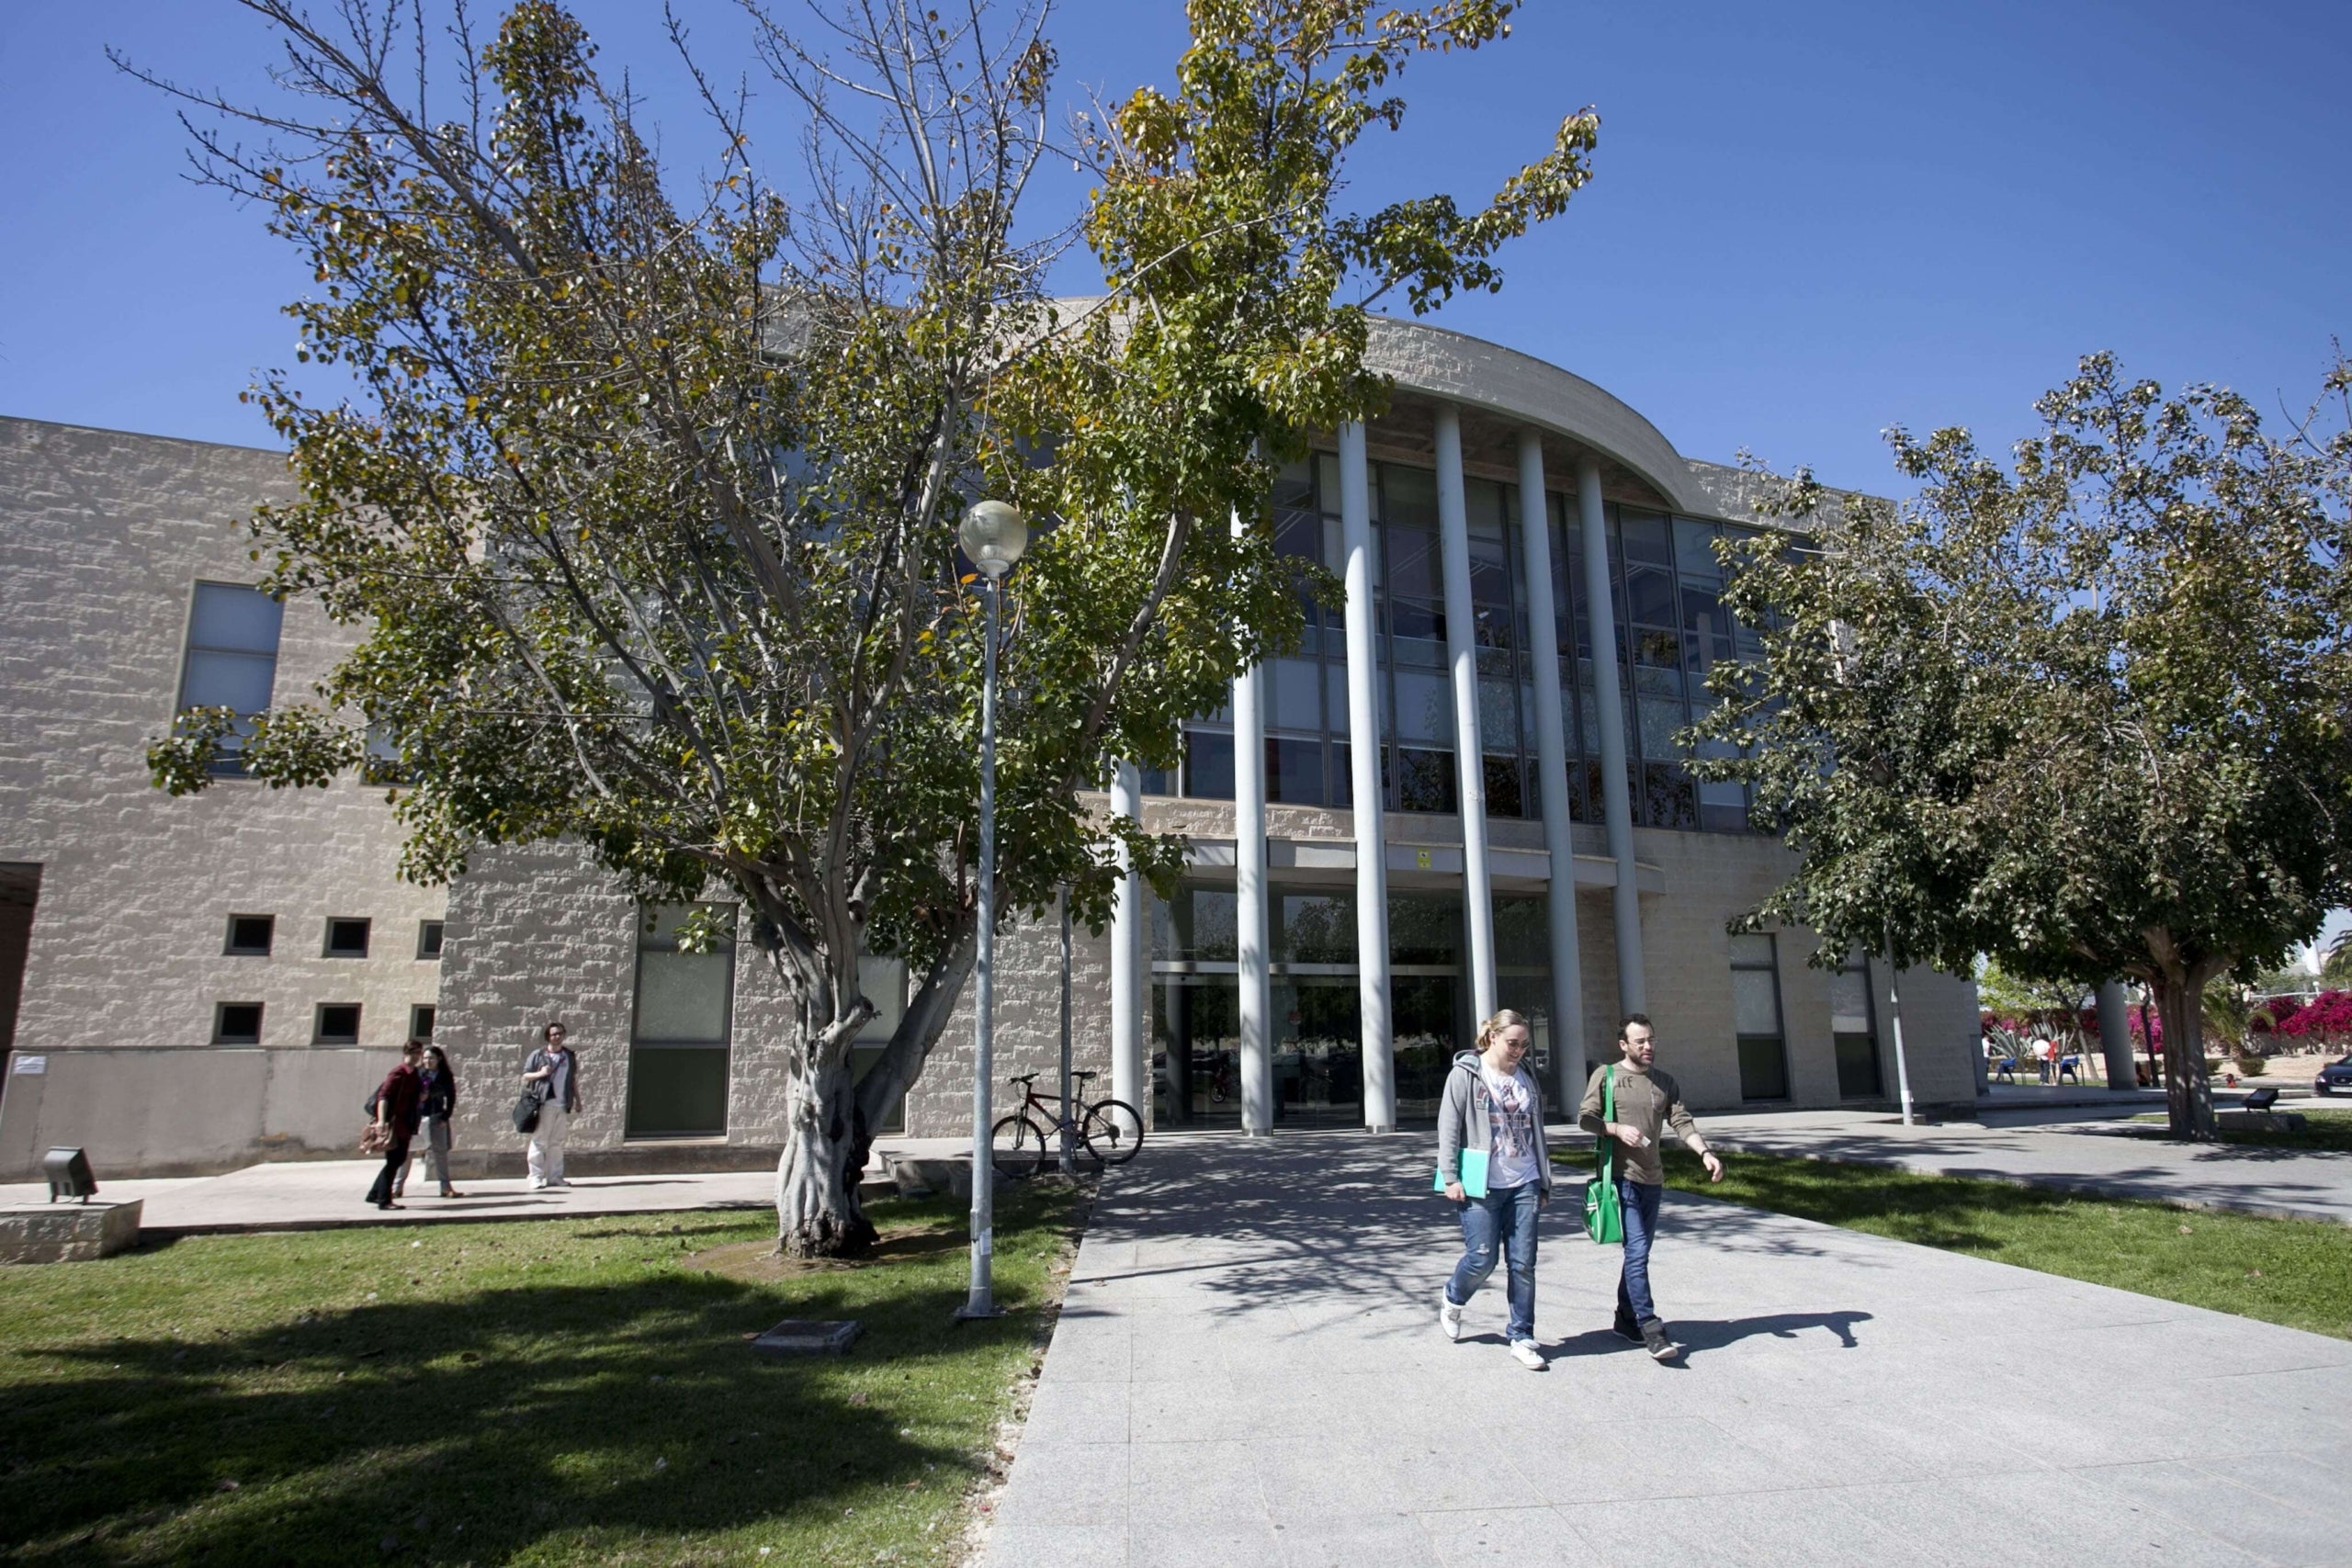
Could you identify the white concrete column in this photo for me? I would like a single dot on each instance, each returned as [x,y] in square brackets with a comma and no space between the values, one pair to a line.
[2114,1037]
[1607,696]
[1364,771]
[1130,935]
[1469,753]
[1551,773]
[1251,928]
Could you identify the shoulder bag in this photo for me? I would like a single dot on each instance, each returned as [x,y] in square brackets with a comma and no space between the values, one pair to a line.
[1604,1213]
[527,1109]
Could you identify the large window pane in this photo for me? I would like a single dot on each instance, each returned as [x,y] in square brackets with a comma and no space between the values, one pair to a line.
[1755,1014]
[1295,771]
[677,1091]
[1755,1002]
[1196,926]
[1763,1069]
[1208,765]
[1296,686]
[681,996]
[232,660]
[1314,926]
[234,617]
[237,681]
[1424,706]
[678,1052]
[1426,780]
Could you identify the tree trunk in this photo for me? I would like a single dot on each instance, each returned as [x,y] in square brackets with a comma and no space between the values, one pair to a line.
[2188,1093]
[817,1210]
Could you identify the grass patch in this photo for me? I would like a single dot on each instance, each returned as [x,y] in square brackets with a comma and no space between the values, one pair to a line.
[2296,1272]
[546,1392]
[2321,1130]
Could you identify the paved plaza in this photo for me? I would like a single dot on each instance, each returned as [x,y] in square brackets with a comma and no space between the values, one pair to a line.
[317,1194]
[1247,1371]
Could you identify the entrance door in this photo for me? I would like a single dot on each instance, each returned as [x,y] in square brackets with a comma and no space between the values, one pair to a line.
[1196,1050]
[1319,1050]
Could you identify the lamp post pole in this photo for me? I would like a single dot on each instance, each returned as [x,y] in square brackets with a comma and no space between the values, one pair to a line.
[1895,997]
[1070,1111]
[993,535]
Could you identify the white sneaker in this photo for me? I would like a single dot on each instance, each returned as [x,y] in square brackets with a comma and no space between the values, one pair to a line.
[1525,1352]
[1449,1316]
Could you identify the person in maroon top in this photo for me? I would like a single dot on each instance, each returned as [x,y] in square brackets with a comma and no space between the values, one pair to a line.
[398,1105]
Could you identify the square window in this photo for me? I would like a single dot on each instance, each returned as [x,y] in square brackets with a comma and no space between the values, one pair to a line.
[250,935]
[346,939]
[420,1021]
[338,1024]
[428,939]
[236,1023]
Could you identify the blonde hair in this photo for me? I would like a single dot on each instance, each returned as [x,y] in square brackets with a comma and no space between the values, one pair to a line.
[1493,1027]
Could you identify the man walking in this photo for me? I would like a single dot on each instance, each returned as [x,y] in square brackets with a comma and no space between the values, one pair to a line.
[1647,1102]
[556,1069]
[397,1108]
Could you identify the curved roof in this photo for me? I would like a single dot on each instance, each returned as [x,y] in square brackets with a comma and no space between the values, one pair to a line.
[1524,389]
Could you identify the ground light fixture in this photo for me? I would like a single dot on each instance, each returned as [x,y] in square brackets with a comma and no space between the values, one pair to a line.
[993,535]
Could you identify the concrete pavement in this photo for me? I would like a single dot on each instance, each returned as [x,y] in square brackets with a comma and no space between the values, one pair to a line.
[2113,1159]
[1247,1371]
[315,1194]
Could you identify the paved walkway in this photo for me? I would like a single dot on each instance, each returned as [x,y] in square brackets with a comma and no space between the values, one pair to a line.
[2075,1157]
[317,1194]
[1248,1372]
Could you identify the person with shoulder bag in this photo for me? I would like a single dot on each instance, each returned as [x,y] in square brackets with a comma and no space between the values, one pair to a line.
[1492,1165]
[1628,1104]
[397,1101]
[553,1073]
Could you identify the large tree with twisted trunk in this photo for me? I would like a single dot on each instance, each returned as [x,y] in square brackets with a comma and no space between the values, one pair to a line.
[646,499]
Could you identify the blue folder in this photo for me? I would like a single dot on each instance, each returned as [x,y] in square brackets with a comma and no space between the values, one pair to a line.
[1474,1174]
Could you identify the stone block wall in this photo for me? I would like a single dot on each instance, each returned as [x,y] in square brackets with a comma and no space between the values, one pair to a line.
[1027,1035]
[103,537]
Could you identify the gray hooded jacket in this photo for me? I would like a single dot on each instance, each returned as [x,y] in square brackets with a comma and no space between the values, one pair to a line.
[1462,1119]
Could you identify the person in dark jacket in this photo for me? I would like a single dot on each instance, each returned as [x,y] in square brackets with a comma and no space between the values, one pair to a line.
[437,1101]
[397,1103]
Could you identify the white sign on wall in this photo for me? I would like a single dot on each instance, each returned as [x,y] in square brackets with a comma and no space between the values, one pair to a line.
[31,1066]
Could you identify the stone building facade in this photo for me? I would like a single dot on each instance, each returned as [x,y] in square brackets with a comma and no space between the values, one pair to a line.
[1342,922]
[126,900]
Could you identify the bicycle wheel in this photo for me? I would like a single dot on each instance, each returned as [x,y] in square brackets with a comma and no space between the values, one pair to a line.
[1112,1130]
[1017,1147]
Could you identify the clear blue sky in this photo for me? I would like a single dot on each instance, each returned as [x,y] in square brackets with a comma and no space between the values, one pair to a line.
[1808,222]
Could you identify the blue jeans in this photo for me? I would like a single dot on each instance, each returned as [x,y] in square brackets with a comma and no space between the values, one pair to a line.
[1639,1201]
[1503,1220]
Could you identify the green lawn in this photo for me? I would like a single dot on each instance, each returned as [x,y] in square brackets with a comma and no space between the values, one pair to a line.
[2322,1129]
[565,1391]
[2298,1272]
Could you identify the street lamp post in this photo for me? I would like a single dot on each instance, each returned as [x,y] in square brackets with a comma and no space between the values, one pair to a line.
[993,535]
[1070,1108]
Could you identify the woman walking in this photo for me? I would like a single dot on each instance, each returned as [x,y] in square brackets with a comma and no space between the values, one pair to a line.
[437,1102]
[1491,1157]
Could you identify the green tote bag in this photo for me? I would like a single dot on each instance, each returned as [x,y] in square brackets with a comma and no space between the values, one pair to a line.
[1604,1215]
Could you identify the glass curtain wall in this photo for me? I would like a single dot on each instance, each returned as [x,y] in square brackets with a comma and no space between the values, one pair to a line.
[1316,1026]
[1674,629]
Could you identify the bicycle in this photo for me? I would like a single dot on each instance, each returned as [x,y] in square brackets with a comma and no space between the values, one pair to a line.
[1110,1132]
